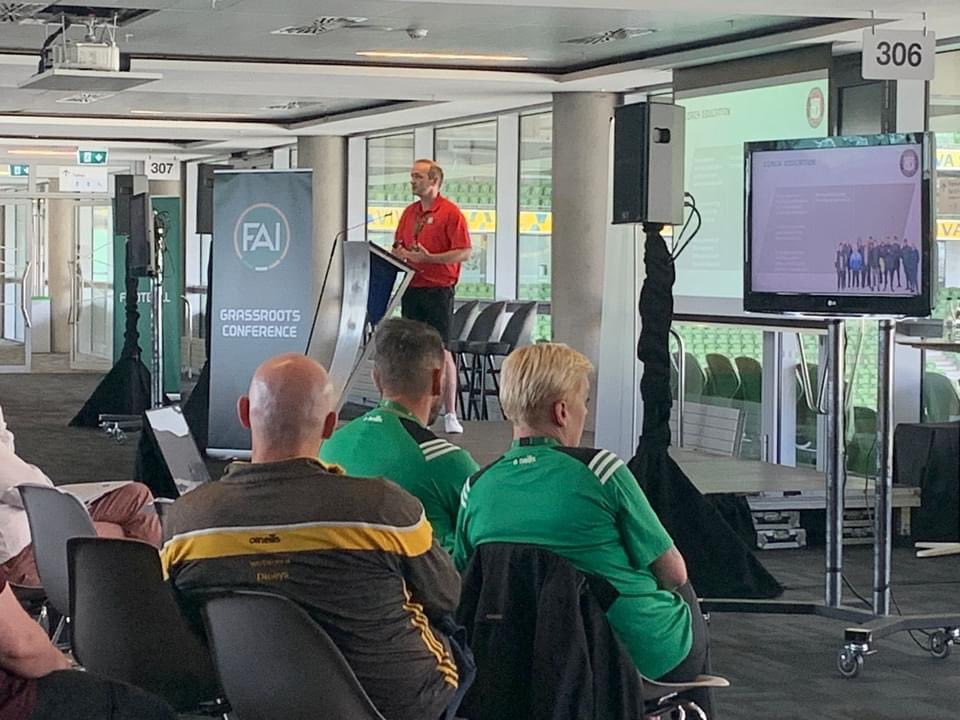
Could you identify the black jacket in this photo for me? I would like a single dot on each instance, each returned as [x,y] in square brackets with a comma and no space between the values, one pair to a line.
[543,646]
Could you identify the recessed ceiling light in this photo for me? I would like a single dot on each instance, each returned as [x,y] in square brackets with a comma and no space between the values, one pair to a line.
[43,152]
[174,114]
[439,56]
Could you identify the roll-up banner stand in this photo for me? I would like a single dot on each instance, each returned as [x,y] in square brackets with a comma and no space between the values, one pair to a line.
[262,286]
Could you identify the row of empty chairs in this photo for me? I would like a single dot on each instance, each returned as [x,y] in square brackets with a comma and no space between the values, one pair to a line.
[738,383]
[482,338]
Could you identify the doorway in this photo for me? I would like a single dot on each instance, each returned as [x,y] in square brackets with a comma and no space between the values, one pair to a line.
[16,266]
[92,306]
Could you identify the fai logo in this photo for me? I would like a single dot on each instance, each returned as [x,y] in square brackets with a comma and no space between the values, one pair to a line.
[261,237]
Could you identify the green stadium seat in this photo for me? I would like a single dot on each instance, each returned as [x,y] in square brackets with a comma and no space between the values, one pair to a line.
[941,400]
[723,381]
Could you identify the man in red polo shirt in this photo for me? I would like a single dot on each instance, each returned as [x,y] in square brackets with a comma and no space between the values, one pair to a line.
[433,237]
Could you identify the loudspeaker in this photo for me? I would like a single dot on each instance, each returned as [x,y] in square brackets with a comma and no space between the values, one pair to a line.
[205,197]
[648,163]
[125,187]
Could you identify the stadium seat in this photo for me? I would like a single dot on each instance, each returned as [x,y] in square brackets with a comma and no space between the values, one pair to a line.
[941,401]
[723,380]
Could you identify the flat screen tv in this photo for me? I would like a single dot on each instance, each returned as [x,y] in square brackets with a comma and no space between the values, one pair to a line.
[839,225]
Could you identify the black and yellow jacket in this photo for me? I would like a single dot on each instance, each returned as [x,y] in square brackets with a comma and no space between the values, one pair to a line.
[357,553]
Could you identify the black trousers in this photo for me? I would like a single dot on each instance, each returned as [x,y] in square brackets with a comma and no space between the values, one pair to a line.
[80,695]
[697,661]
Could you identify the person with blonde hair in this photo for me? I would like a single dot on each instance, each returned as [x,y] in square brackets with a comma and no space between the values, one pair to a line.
[585,505]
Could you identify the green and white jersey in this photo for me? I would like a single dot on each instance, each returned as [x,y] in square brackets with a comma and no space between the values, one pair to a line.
[389,441]
[586,506]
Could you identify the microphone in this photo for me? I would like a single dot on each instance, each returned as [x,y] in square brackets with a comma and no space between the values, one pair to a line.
[326,273]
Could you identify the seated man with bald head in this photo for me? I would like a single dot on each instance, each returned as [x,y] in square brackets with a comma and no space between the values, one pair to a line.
[356,553]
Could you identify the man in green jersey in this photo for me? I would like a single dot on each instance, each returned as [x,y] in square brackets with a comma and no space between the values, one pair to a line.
[586,506]
[393,441]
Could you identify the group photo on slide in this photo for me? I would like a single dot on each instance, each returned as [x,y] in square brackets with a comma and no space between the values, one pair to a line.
[888,266]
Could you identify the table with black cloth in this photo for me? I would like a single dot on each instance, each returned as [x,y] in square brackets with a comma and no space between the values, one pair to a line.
[928,456]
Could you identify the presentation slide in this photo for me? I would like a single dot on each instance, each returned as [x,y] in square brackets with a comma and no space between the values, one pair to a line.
[837,221]
[710,271]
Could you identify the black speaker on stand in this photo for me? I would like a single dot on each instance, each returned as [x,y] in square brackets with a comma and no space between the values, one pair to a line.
[648,163]
[125,391]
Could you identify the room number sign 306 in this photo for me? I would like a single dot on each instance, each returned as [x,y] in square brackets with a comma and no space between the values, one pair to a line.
[898,55]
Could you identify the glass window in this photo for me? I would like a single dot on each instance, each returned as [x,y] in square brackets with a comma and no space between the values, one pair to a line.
[389,160]
[723,367]
[536,219]
[941,377]
[468,156]
[861,362]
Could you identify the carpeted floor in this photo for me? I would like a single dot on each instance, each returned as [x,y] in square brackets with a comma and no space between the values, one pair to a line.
[780,666]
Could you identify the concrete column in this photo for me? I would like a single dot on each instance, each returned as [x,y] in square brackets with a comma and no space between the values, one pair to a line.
[581,215]
[327,157]
[61,239]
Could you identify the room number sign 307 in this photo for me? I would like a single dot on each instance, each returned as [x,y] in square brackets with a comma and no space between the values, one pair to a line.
[162,168]
[898,55]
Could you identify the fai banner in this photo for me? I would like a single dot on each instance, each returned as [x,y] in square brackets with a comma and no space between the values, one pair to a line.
[262,286]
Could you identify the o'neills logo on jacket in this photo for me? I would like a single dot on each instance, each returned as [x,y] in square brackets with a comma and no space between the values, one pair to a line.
[265,539]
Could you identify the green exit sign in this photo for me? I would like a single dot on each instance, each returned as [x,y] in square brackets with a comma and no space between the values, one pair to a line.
[19,170]
[91,157]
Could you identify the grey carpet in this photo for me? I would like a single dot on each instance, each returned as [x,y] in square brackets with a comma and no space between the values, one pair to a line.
[780,666]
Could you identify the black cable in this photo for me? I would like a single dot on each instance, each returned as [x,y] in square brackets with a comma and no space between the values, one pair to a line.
[852,589]
[674,239]
[925,648]
[693,234]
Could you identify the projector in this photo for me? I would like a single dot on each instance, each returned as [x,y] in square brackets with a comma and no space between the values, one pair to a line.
[87,66]
[83,56]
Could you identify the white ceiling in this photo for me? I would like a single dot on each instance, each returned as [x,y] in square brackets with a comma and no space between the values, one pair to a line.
[214,102]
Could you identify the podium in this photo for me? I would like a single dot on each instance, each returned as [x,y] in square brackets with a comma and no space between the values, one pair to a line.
[373,283]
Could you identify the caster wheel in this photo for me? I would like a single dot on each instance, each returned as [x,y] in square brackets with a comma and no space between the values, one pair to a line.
[939,645]
[849,663]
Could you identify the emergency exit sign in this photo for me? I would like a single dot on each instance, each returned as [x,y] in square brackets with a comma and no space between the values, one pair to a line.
[19,170]
[91,157]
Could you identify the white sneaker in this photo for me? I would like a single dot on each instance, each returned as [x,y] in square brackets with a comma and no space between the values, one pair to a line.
[451,425]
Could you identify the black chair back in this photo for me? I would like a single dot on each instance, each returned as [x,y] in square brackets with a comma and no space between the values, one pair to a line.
[54,518]
[463,319]
[519,327]
[487,324]
[276,662]
[127,625]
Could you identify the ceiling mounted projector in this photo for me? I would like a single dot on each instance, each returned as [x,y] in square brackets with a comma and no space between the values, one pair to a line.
[93,64]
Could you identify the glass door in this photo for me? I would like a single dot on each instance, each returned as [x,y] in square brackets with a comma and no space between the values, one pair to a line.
[16,226]
[91,316]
